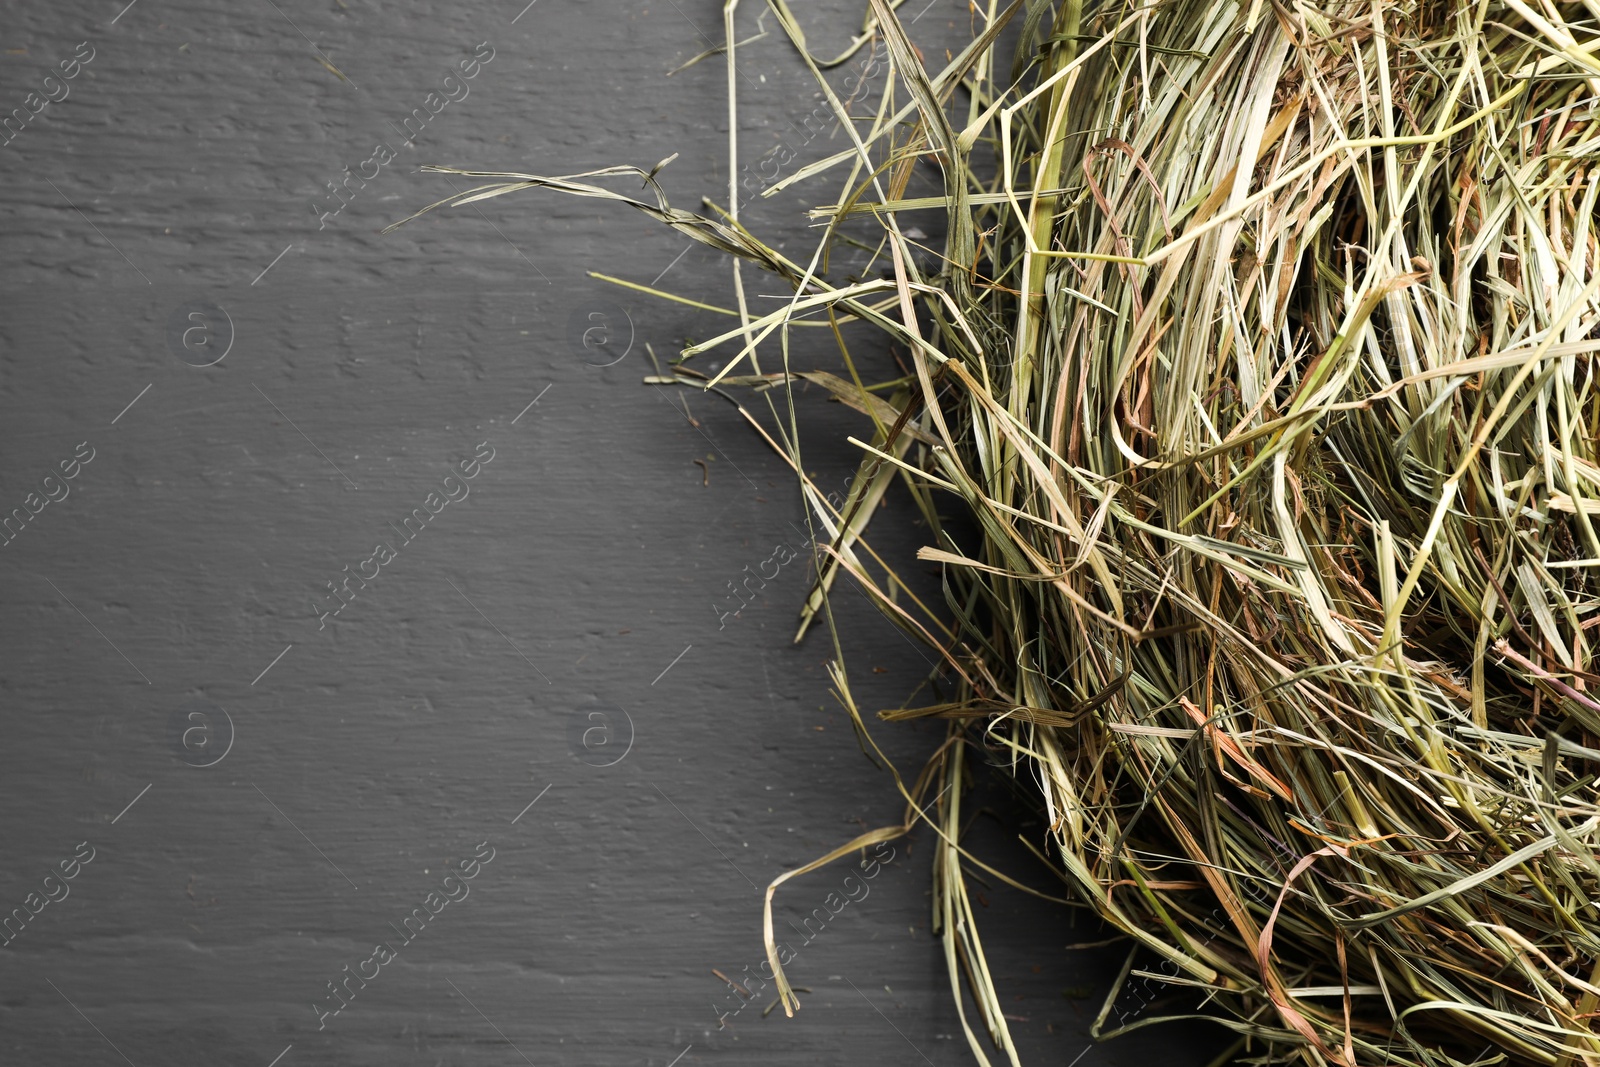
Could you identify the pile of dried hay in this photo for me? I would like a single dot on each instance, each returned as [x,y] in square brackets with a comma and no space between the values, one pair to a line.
[1261,348]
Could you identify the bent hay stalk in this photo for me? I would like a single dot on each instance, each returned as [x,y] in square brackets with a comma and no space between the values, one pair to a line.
[1260,353]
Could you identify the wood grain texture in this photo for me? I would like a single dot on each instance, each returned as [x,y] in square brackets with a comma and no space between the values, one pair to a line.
[186,572]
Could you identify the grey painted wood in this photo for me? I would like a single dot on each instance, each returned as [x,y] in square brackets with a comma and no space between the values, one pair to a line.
[268,792]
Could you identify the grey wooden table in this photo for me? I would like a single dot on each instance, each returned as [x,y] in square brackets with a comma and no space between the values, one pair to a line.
[369,686]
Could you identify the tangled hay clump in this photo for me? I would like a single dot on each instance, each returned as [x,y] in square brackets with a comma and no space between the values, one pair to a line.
[1261,351]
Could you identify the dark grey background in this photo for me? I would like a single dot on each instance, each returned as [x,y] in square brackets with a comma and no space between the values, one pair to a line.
[182,570]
